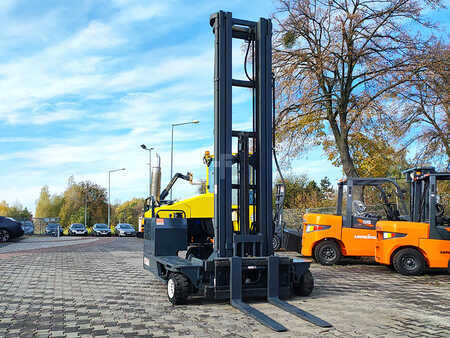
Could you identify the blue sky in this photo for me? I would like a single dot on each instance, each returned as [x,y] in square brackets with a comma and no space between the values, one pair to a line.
[84,83]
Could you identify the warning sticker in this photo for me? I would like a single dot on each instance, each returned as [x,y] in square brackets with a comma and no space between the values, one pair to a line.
[160,221]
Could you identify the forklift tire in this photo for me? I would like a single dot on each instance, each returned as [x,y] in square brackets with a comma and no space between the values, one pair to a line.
[306,285]
[276,242]
[327,253]
[178,288]
[409,262]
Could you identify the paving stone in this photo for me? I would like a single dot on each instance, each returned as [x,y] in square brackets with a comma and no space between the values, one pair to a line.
[99,288]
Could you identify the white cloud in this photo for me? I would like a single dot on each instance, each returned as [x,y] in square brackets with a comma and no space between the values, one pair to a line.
[141,11]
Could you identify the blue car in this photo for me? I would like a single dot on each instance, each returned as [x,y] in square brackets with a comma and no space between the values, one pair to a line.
[28,227]
[9,228]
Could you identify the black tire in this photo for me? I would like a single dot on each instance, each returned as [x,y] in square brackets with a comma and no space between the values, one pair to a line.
[327,253]
[178,288]
[409,262]
[276,242]
[306,284]
[5,236]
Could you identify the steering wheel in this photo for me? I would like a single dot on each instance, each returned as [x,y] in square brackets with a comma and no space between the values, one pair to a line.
[358,208]
[439,210]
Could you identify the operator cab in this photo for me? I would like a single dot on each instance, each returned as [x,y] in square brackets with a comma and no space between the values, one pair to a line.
[368,211]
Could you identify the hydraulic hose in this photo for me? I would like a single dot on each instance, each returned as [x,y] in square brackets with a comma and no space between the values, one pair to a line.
[273,132]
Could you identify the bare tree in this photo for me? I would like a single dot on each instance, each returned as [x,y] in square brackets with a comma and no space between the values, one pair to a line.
[426,116]
[337,63]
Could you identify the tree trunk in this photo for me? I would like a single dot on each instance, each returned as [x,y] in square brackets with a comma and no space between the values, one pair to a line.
[347,161]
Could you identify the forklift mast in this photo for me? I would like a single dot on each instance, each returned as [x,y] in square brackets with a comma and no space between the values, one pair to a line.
[418,190]
[423,198]
[256,239]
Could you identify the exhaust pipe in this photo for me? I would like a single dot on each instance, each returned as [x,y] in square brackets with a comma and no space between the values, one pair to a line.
[156,179]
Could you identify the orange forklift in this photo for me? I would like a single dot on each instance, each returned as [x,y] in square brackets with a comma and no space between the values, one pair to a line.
[351,231]
[422,241]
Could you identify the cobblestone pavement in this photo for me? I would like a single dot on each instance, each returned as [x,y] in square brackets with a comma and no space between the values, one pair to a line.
[41,242]
[100,289]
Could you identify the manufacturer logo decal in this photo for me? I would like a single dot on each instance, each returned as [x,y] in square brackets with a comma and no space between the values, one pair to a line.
[365,237]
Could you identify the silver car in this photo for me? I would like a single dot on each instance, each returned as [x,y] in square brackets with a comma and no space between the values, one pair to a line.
[77,229]
[125,229]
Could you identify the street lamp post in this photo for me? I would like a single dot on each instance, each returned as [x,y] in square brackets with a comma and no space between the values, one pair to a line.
[143,146]
[171,148]
[109,193]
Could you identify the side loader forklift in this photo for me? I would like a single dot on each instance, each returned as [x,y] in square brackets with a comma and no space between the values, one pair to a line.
[351,231]
[423,240]
[229,263]
[200,208]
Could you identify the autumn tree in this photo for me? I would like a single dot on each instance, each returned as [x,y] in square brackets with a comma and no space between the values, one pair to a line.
[129,212]
[302,192]
[4,208]
[16,211]
[336,63]
[425,117]
[43,204]
[82,196]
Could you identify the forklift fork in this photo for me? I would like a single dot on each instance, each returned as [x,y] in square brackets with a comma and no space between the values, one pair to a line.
[272,297]
[236,297]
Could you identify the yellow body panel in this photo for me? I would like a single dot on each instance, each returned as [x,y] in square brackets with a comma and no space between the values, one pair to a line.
[200,206]
[435,251]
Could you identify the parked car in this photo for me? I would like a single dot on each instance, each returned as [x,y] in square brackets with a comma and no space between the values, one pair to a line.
[101,229]
[28,227]
[125,229]
[77,229]
[9,228]
[52,229]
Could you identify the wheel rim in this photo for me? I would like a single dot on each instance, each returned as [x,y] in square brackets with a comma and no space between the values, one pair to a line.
[171,288]
[4,236]
[409,263]
[275,242]
[328,253]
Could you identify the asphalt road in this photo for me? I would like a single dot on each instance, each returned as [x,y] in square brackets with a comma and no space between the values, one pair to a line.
[99,288]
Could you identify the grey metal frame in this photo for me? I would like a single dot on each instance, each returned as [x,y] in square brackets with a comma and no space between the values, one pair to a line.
[423,190]
[354,181]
